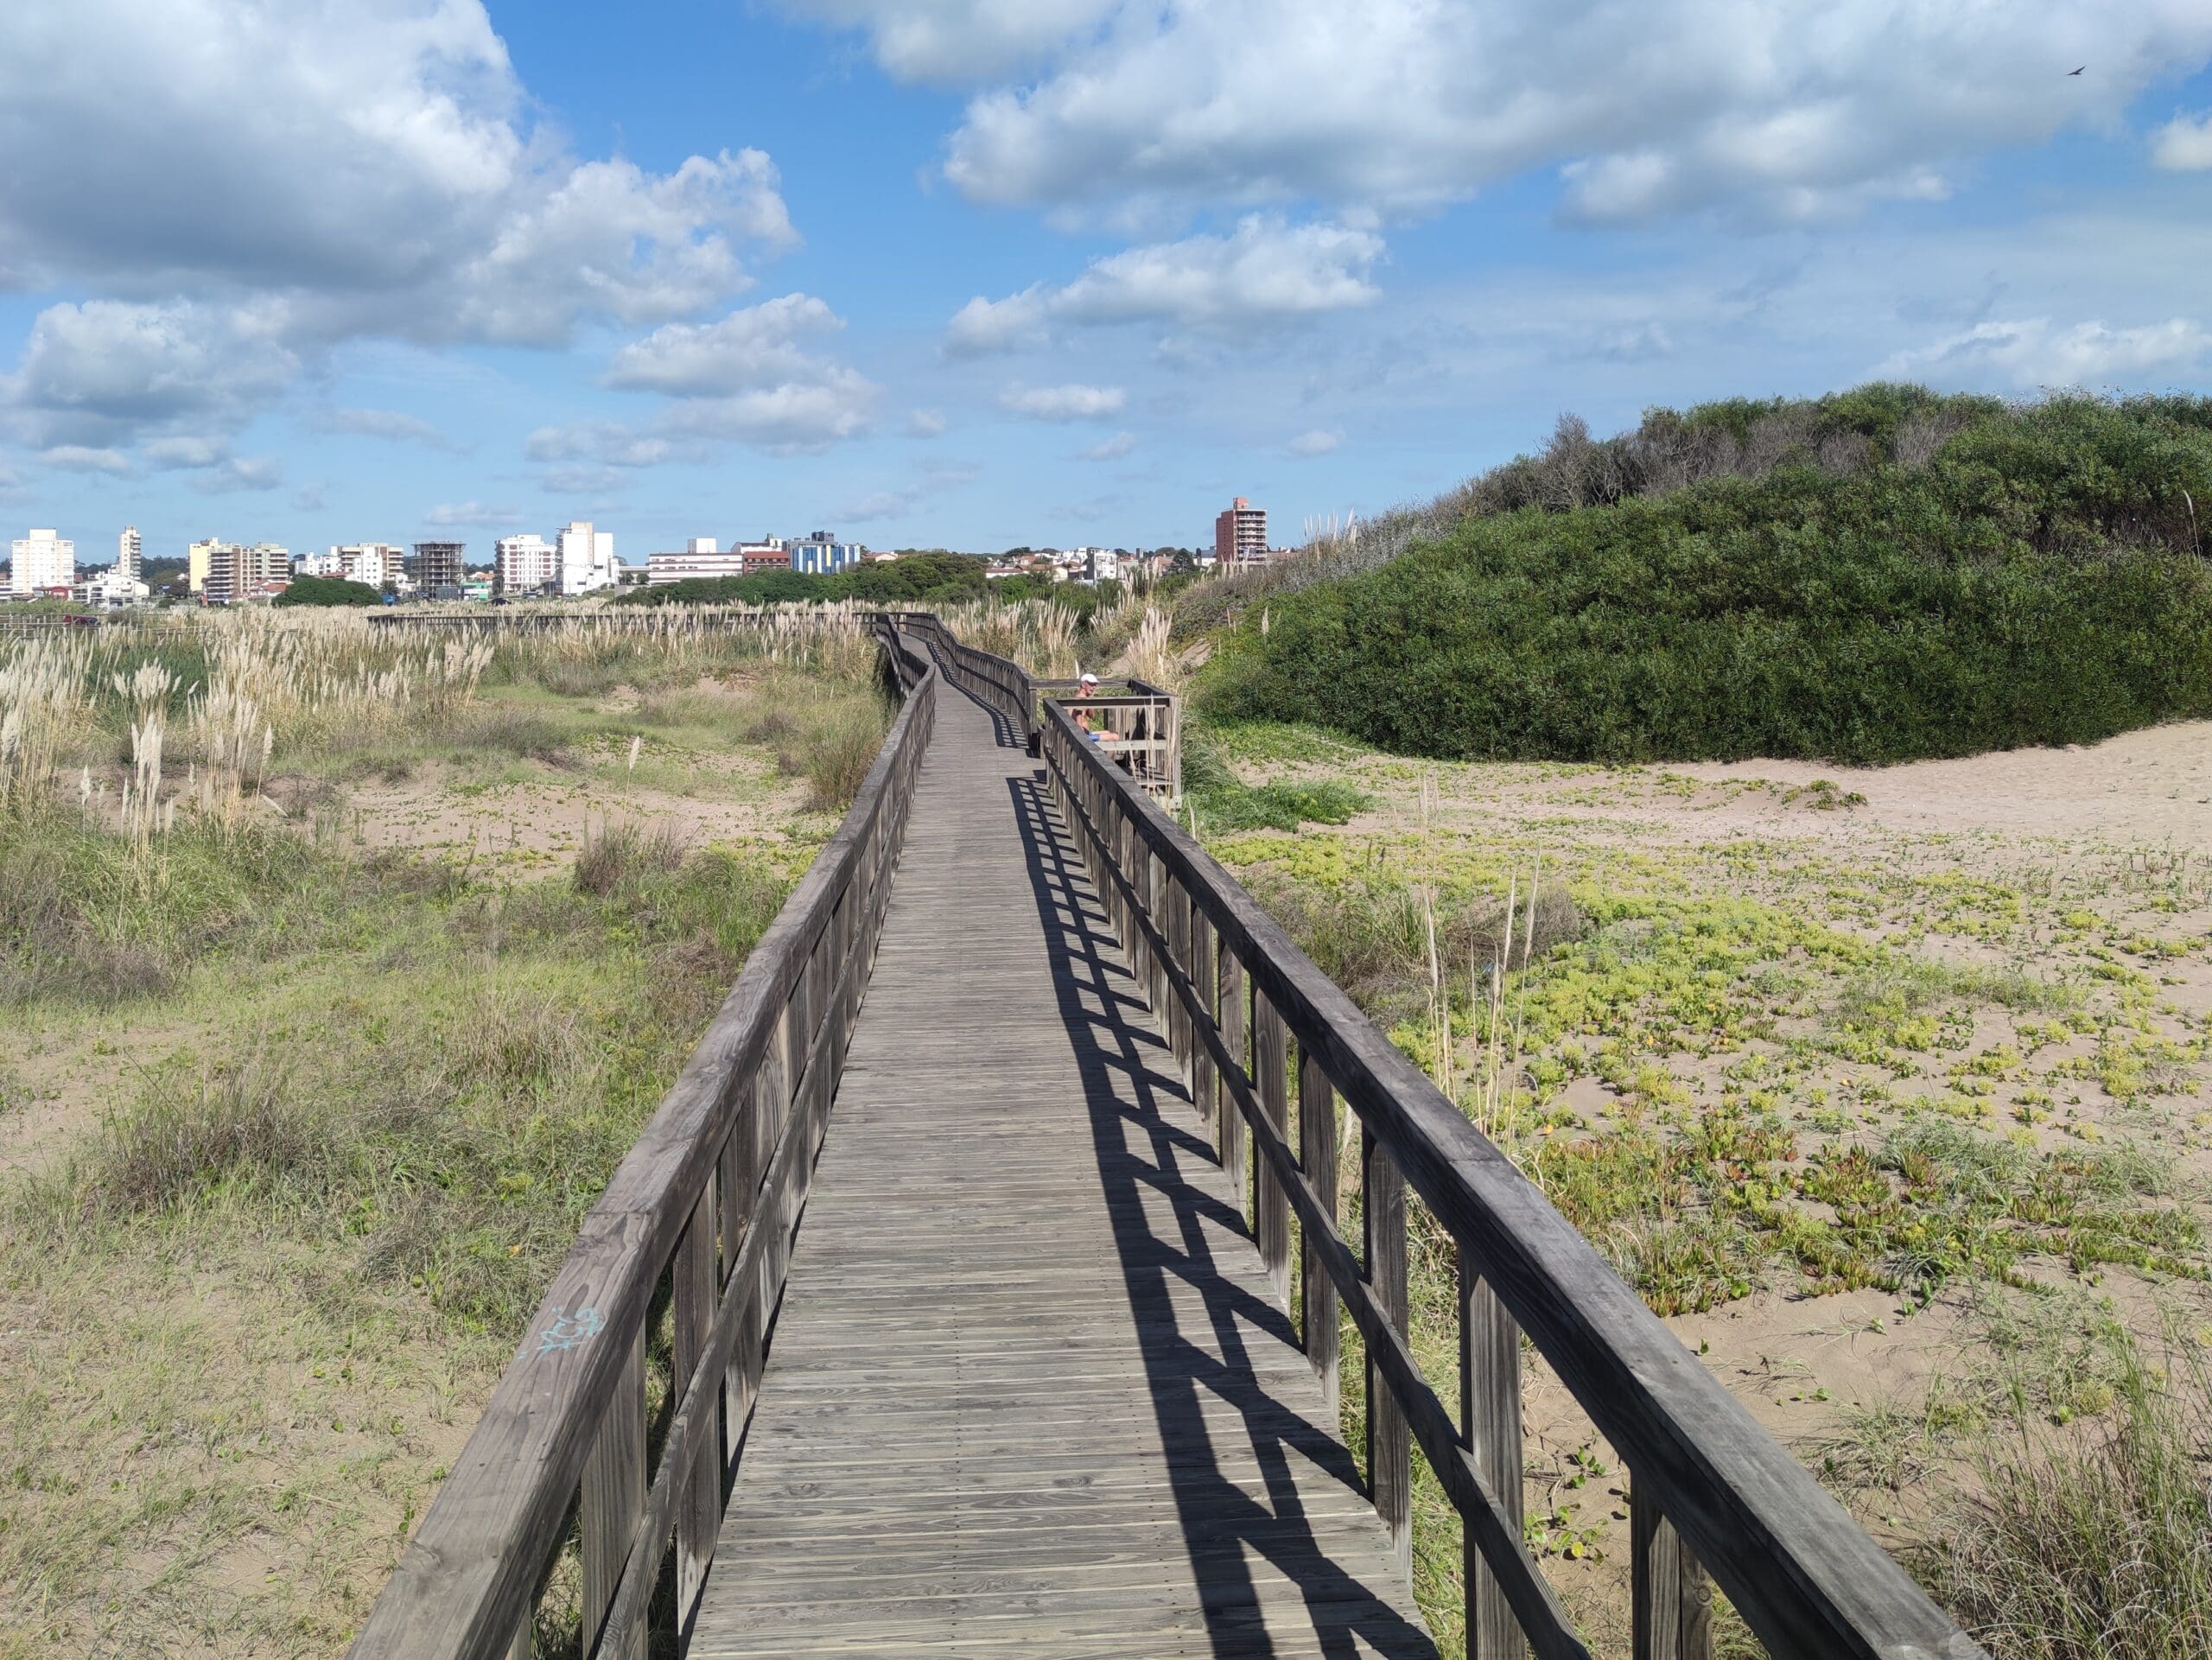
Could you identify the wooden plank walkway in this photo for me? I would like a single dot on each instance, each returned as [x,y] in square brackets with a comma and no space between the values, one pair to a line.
[1030,1392]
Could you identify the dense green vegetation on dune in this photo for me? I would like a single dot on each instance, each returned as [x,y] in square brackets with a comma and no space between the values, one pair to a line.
[1875,576]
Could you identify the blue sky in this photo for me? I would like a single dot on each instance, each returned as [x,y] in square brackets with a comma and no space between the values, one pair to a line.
[982,272]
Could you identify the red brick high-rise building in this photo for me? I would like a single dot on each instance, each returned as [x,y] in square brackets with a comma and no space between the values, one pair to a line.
[1240,535]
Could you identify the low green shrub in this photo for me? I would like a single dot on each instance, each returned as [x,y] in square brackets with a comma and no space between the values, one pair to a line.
[2041,580]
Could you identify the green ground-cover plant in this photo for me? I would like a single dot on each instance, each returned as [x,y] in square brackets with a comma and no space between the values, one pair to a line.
[1221,801]
[2039,576]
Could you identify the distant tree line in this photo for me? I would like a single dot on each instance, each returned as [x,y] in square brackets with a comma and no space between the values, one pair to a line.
[933,575]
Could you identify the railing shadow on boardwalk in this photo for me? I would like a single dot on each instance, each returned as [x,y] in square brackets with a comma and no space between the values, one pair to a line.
[1144,1106]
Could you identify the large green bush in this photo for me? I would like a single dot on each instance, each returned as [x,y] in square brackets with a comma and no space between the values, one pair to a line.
[327,591]
[2038,577]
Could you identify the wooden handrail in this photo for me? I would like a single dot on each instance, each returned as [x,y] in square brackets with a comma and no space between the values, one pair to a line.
[708,1196]
[1711,1488]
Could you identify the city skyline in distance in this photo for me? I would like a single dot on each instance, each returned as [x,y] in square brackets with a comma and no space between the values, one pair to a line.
[542,266]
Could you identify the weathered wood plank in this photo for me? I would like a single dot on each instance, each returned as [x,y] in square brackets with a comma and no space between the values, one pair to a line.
[699,1512]
[1316,1137]
[1270,1210]
[1672,1617]
[1389,1445]
[1489,1423]
[614,1500]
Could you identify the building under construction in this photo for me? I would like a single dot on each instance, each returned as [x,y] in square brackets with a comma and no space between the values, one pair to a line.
[437,565]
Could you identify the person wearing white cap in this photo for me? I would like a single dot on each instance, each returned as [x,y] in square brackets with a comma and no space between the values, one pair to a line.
[1084,687]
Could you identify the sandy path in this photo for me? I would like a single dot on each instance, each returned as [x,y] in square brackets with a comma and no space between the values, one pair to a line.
[2152,786]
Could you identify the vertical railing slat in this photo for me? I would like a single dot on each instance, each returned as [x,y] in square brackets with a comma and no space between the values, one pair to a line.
[1316,1153]
[700,1511]
[1270,1205]
[1490,1421]
[1672,1617]
[1203,972]
[1389,1442]
[613,1502]
[1235,999]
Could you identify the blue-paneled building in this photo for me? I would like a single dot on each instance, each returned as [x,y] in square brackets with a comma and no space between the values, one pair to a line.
[822,555]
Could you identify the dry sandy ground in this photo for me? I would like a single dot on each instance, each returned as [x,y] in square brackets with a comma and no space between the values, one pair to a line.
[538,827]
[2152,786]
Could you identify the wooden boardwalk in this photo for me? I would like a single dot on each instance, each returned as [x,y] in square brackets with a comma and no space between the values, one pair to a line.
[1031,1392]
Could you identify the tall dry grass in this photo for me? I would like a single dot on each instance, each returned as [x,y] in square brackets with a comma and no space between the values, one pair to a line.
[2089,1541]
[1038,634]
[195,712]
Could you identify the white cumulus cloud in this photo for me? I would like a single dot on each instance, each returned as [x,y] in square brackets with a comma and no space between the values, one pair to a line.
[1316,442]
[747,376]
[1266,271]
[957,42]
[754,347]
[2035,352]
[1777,113]
[1111,450]
[103,372]
[242,189]
[2184,144]
[82,458]
[1074,402]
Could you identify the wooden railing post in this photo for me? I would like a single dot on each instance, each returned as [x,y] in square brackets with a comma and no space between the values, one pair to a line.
[1316,1153]
[1270,1205]
[1179,942]
[1490,1428]
[1674,1598]
[1389,1443]
[1235,998]
[1203,979]
[613,1504]
[1155,889]
[700,1514]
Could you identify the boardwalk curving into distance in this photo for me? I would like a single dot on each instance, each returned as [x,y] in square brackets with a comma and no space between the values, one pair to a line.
[1031,1391]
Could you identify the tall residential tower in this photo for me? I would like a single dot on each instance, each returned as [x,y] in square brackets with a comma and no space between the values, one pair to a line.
[42,560]
[1240,535]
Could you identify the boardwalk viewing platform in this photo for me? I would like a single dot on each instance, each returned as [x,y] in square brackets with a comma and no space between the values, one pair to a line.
[979,1290]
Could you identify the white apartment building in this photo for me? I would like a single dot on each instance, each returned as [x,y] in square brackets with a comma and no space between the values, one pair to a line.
[41,560]
[119,583]
[371,563]
[587,562]
[526,565]
[703,556]
[1101,564]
